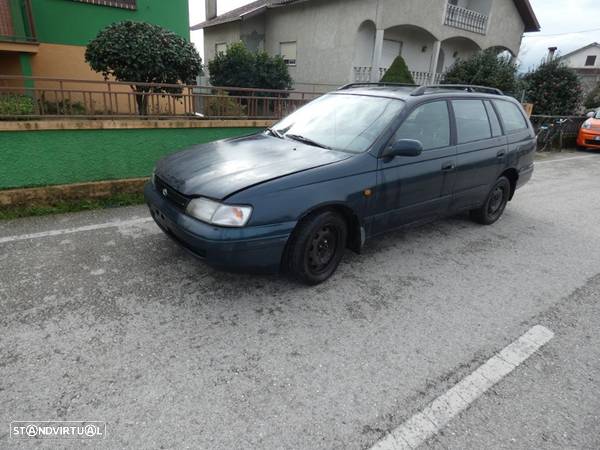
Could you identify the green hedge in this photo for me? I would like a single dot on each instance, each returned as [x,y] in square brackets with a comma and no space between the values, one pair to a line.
[40,158]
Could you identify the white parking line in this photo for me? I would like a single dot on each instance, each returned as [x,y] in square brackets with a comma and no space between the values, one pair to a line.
[567,159]
[98,226]
[427,423]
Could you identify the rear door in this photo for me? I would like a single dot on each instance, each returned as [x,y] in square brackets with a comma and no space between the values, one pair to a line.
[520,136]
[481,151]
[411,189]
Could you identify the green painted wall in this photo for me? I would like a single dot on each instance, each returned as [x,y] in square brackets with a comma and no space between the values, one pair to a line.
[39,158]
[74,23]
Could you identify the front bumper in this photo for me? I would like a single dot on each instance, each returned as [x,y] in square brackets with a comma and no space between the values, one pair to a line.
[588,138]
[249,249]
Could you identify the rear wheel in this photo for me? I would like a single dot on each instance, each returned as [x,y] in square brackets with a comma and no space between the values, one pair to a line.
[316,247]
[494,204]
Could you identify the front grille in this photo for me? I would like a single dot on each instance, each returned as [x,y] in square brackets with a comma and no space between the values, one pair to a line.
[592,142]
[170,194]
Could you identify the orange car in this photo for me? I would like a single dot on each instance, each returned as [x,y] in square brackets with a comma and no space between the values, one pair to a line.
[589,134]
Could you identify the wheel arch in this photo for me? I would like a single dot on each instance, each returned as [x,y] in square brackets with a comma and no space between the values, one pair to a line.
[513,176]
[355,234]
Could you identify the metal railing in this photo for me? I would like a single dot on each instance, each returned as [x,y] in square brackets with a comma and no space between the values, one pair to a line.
[40,97]
[370,74]
[16,21]
[466,19]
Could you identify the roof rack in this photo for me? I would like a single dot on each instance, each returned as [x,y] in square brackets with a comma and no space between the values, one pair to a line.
[353,85]
[422,90]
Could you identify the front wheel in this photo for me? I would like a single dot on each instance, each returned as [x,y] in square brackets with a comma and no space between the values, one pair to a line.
[495,203]
[316,247]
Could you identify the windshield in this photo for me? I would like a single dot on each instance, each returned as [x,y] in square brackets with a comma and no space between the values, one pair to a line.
[344,122]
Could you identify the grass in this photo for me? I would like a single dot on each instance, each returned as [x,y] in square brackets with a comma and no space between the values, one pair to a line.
[15,212]
[42,158]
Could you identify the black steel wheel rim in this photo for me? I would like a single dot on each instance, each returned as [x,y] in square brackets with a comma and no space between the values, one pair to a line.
[322,249]
[496,201]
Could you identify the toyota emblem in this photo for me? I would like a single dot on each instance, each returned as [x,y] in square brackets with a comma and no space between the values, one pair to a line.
[165,192]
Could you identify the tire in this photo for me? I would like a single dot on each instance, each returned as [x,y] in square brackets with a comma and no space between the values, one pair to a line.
[495,203]
[316,247]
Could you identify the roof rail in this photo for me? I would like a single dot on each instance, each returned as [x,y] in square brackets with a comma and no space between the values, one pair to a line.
[422,90]
[358,84]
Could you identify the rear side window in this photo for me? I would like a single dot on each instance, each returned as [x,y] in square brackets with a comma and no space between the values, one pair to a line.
[511,116]
[494,122]
[428,124]
[472,122]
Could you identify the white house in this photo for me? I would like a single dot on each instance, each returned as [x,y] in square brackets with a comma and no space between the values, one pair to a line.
[337,41]
[586,62]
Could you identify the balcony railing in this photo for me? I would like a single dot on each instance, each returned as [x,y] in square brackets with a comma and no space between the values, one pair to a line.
[370,74]
[466,19]
[16,21]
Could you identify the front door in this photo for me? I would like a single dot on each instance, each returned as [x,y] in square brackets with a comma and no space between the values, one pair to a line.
[414,189]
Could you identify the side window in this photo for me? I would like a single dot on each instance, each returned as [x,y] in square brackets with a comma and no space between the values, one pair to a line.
[429,124]
[472,122]
[511,115]
[494,122]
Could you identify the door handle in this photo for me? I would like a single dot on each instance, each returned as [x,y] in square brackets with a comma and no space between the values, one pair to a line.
[500,154]
[446,167]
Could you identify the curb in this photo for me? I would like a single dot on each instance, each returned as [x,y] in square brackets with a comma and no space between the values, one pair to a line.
[65,192]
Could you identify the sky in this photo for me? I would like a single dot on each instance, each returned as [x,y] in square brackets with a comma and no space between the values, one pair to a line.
[562,21]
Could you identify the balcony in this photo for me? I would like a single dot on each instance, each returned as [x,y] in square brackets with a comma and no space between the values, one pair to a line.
[466,19]
[370,74]
[16,22]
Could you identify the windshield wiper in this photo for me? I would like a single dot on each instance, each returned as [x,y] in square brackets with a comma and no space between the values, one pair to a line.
[305,140]
[275,133]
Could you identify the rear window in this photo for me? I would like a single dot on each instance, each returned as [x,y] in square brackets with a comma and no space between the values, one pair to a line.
[511,116]
[471,121]
[496,129]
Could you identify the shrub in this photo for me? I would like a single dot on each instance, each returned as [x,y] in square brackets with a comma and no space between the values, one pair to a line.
[554,89]
[144,53]
[224,106]
[63,107]
[398,73]
[592,100]
[16,105]
[240,67]
[486,68]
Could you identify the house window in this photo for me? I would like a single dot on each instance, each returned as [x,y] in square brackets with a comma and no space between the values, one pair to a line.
[221,47]
[287,50]
[590,61]
[125,4]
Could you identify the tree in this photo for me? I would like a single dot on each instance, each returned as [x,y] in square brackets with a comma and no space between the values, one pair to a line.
[592,100]
[485,68]
[554,89]
[398,73]
[240,67]
[139,52]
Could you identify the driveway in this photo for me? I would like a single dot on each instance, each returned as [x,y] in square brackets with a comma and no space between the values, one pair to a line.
[105,319]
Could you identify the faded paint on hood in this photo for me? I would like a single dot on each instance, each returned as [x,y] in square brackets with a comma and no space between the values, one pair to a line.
[221,168]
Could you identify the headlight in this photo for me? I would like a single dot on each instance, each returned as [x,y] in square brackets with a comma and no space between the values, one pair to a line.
[219,214]
[587,125]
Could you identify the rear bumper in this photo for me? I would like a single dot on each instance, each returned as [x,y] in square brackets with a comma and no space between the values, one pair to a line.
[248,249]
[525,175]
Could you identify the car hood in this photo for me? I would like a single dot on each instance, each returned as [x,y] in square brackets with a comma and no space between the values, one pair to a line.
[219,169]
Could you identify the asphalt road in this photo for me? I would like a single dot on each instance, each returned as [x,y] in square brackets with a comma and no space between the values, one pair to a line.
[118,324]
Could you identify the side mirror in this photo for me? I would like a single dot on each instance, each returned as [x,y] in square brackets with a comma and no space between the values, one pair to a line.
[404,147]
[591,114]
